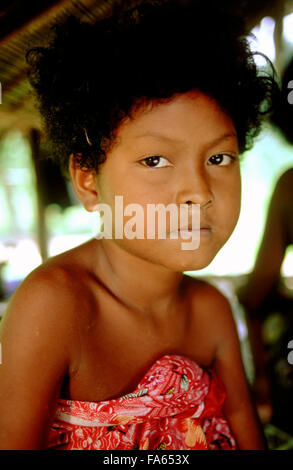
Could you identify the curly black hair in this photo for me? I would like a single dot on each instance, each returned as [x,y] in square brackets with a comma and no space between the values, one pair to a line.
[93,75]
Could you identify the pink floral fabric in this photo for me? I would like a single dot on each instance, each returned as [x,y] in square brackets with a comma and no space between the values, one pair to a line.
[177,405]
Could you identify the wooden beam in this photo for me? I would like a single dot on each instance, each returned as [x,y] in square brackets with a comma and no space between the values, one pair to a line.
[35,23]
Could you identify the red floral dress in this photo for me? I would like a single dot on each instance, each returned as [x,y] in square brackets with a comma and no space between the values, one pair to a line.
[176,406]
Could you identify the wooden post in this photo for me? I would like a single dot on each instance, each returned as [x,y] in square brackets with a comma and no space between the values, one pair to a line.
[41,222]
[278,35]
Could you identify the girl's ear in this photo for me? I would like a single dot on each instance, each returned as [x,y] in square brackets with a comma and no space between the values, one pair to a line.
[84,185]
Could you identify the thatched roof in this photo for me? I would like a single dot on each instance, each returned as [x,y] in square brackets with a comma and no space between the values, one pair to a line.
[23,24]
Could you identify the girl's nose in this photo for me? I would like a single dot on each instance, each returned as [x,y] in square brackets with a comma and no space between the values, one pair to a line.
[194,188]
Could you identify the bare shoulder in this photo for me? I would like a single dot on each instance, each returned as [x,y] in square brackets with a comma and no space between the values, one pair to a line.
[212,313]
[46,286]
[207,300]
[51,294]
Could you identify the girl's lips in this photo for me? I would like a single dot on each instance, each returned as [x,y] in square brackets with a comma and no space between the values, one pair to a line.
[204,231]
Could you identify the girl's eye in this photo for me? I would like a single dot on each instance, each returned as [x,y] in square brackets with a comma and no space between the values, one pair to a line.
[154,162]
[221,159]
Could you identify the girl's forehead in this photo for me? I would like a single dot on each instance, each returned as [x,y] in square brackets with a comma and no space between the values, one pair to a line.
[182,114]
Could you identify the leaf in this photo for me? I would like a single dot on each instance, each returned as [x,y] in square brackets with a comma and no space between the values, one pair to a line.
[162,446]
[140,393]
[184,384]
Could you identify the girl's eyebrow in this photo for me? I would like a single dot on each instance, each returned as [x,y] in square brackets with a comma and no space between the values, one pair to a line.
[221,138]
[183,141]
[155,135]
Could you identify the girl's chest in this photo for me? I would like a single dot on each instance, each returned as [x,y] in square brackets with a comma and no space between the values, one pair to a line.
[116,352]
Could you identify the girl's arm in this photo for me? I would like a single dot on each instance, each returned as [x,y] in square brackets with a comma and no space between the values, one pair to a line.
[35,336]
[238,407]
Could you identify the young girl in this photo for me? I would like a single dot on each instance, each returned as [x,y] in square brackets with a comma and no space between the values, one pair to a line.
[109,345]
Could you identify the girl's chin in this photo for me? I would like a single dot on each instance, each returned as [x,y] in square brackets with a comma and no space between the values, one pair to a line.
[190,267]
[196,262]
[171,257]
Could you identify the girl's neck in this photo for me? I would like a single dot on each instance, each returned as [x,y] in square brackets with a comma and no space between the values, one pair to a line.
[137,283]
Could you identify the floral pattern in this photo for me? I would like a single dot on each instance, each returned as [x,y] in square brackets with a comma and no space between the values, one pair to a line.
[176,406]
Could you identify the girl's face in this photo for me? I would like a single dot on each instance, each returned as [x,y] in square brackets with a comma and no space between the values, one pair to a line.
[180,152]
